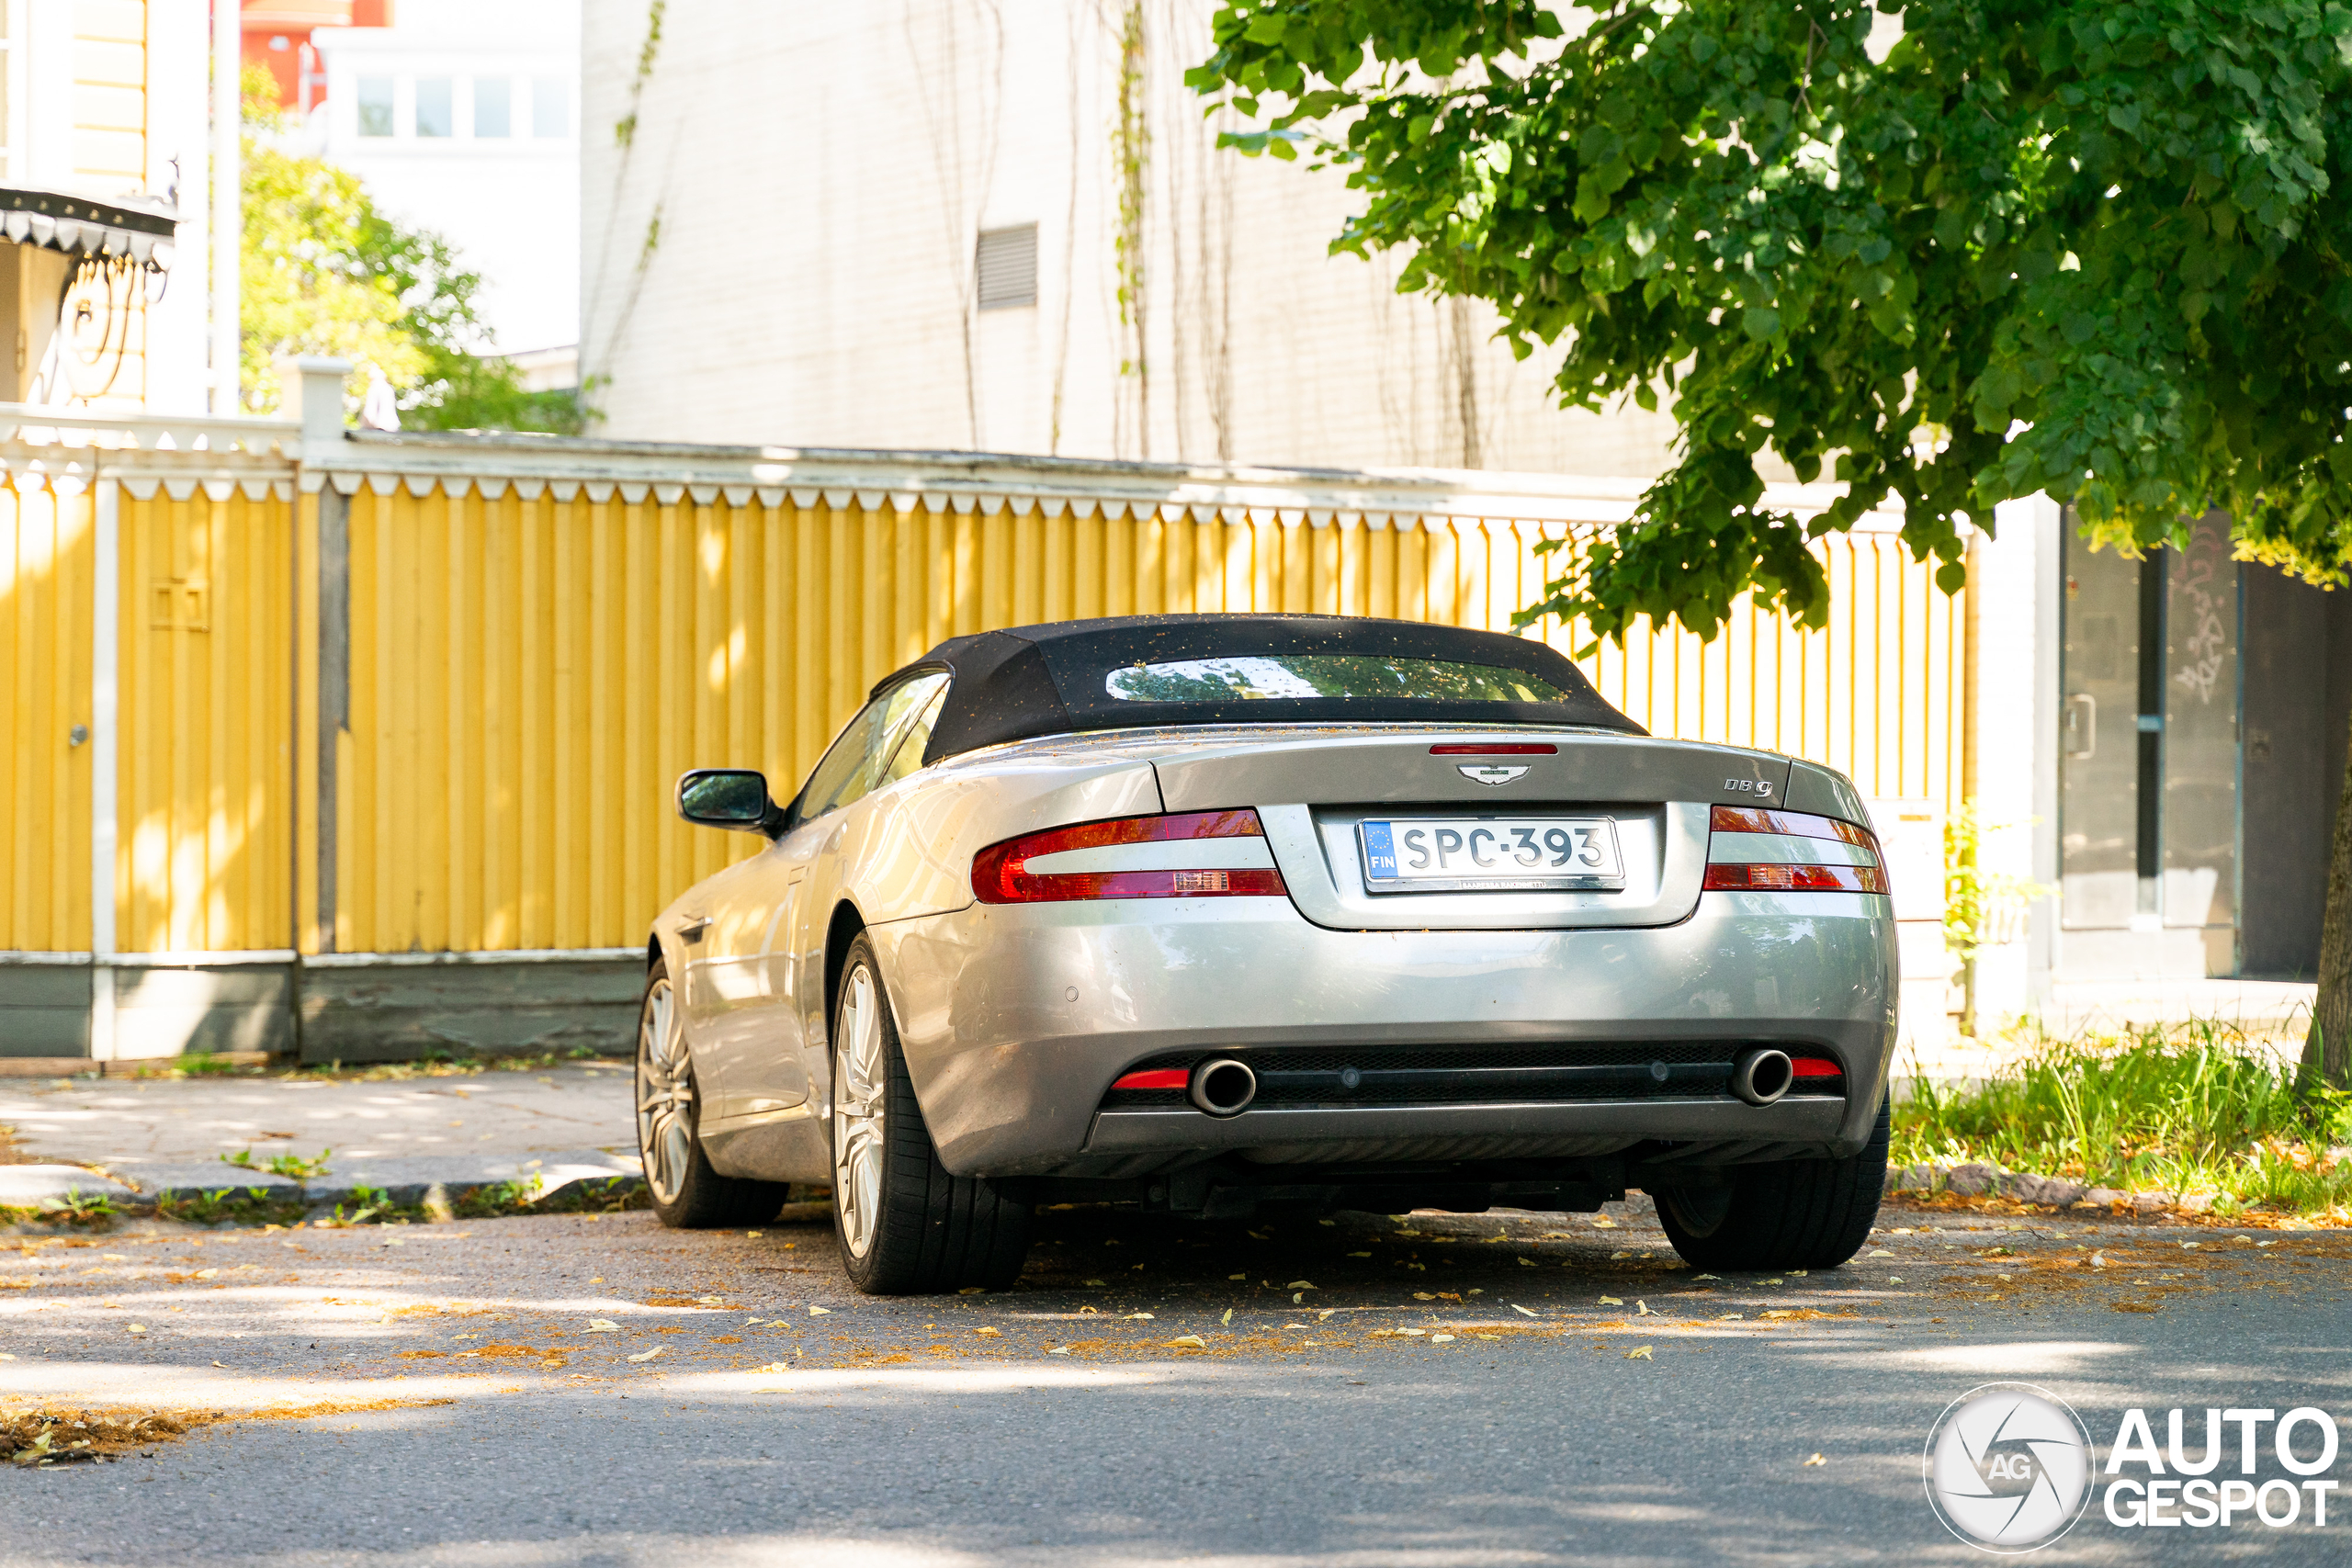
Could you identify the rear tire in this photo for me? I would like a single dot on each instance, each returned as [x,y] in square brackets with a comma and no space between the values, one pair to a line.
[687,1193]
[1799,1214]
[906,1225]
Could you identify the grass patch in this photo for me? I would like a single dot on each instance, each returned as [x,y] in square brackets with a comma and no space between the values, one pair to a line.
[373,1206]
[292,1166]
[205,1065]
[610,1196]
[232,1206]
[2188,1108]
[435,1065]
[444,1065]
[91,1211]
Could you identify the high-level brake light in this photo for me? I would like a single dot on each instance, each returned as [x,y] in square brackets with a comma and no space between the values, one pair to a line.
[1752,849]
[1121,866]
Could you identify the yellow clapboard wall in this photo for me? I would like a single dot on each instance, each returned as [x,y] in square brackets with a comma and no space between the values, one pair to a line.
[204,770]
[48,566]
[528,675]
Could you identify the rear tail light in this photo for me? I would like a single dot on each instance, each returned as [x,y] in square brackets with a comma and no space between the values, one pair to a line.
[1130,857]
[1802,1067]
[1753,849]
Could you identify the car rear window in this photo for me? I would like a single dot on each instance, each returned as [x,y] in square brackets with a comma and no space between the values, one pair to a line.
[1297,675]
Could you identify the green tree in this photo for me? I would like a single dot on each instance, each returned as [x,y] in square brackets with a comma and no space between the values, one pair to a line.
[2090,248]
[325,272]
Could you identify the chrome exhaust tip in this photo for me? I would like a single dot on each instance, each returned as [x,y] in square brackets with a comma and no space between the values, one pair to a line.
[1225,1088]
[1761,1077]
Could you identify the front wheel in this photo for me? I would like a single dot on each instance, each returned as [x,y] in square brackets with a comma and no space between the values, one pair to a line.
[906,1225]
[687,1193]
[1799,1214]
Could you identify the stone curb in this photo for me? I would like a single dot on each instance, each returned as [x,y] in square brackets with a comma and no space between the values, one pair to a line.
[406,1183]
[1974,1180]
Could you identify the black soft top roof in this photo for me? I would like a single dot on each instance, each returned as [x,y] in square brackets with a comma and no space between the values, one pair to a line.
[1025,682]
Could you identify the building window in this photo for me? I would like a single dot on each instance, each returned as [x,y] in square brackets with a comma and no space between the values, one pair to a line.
[432,115]
[375,105]
[550,106]
[1008,267]
[490,117]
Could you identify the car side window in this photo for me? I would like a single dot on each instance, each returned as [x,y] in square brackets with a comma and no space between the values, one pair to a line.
[908,757]
[855,764]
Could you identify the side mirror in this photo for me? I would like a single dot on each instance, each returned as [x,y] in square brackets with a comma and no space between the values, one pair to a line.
[726,797]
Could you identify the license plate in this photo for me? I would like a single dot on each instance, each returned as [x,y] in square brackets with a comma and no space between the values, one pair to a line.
[1437,854]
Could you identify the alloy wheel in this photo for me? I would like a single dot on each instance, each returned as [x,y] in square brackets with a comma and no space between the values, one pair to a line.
[861,1078]
[665,1095]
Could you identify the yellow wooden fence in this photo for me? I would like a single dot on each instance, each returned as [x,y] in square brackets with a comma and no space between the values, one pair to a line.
[528,676]
[47,586]
[530,665]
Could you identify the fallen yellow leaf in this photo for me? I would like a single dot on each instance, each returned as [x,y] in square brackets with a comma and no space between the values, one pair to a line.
[1640,1353]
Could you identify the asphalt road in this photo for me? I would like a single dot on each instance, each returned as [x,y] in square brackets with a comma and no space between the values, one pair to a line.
[746,1408]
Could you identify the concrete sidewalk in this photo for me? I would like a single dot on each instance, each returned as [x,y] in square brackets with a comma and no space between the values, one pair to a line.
[137,1140]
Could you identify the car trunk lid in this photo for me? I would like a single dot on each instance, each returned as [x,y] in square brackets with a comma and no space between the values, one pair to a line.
[1315,790]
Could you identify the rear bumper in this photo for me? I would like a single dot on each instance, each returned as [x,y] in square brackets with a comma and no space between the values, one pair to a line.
[1016,1019]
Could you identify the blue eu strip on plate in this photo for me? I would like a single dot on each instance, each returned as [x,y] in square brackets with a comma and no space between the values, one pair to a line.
[1380,852]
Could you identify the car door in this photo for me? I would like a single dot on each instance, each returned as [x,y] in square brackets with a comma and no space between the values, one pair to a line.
[883,743]
[734,1018]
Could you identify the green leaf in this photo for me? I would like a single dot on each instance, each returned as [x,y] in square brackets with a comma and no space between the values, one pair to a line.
[1596,186]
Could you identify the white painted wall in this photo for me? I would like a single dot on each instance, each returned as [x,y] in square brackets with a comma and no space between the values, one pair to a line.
[2014,579]
[179,119]
[37,70]
[821,174]
[510,205]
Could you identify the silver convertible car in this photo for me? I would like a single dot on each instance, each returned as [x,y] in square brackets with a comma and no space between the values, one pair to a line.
[1209,914]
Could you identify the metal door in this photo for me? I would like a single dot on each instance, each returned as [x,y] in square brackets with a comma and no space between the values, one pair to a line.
[2099,771]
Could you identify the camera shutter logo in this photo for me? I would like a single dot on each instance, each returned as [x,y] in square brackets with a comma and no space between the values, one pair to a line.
[2009,1467]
